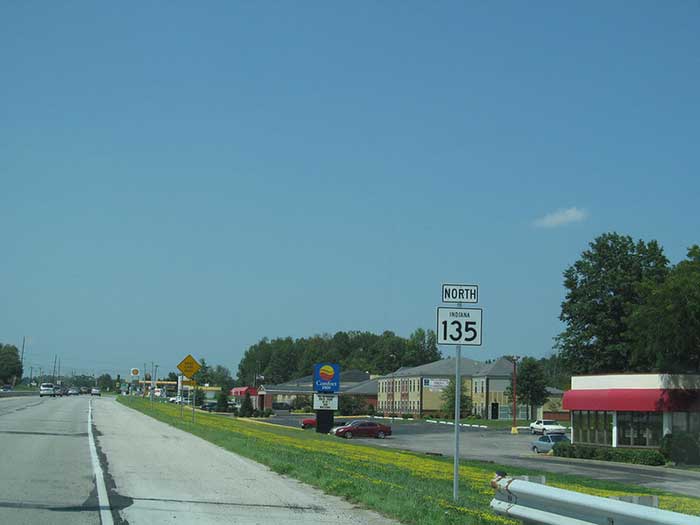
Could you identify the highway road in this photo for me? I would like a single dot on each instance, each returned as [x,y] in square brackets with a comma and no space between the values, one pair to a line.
[127,468]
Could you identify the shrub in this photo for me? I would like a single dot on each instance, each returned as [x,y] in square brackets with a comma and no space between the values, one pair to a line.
[639,456]
[256,413]
[405,416]
[681,447]
[370,409]
[267,412]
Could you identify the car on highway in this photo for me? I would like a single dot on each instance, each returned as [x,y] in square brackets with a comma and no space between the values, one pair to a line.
[46,389]
[58,391]
[546,443]
[95,392]
[84,390]
[362,428]
[7,388]
[546,426]
[73,391]
[208,405]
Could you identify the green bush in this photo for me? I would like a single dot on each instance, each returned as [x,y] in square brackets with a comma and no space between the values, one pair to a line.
[681,447]
[267,412]
[405,416]
[370,409]
[639,456]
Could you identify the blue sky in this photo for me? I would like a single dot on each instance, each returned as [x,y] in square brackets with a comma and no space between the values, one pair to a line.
[184,178]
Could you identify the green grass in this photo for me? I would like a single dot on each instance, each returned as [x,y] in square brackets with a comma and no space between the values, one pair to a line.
[410,487]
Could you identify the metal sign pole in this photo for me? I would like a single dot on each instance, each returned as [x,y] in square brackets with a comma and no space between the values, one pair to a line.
[458,410]
[181,392]
[193,397]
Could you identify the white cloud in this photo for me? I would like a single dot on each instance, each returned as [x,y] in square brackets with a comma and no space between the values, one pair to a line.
[561,218]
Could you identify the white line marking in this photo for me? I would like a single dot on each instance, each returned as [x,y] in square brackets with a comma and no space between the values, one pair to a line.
[102,498]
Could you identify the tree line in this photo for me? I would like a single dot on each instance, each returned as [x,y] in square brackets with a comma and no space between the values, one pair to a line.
[282,359]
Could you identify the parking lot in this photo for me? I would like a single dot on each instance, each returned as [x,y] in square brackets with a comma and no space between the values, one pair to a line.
[500,447]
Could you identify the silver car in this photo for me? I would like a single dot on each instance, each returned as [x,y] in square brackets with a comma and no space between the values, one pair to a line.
[546,442]
[47,389]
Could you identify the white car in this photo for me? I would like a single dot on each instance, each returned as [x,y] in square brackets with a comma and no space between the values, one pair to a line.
[547,426]
[47,389]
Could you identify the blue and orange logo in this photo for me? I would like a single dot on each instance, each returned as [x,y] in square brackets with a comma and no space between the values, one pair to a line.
[326,377]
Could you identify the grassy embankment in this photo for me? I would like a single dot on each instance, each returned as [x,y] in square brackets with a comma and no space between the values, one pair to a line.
[410,487]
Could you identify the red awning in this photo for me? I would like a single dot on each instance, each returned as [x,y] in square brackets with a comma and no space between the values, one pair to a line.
[240,391]
[633,400]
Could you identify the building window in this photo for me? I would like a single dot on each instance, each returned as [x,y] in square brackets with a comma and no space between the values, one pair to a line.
[482,386]
[639,429]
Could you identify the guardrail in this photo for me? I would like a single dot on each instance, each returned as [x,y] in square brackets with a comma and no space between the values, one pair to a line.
[538,504]
[20,393]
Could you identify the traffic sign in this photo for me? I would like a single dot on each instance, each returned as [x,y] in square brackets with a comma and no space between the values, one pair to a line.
[459,326]
[134,371]
[326,377]
[325,401]
[460,293]
[189,366]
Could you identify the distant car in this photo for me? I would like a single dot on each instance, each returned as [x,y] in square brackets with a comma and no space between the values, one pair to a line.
[362,428]
[58,391]
[175,399]
[47,389]
[546,426]
[546,442]
[208,405]
[308,422]
[281,406]
[7,388]
[95,392]
[84,390]
[73,391]
[311,423]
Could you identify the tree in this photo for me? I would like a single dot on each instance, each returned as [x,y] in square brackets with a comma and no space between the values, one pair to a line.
[352,405]
[221,376]
[222,401]
[10,364]
[555,372]
[602,288]
[448,399]
[104,382]
[203,375]
[665,328]
[531,384]
[172,376]
[246,406]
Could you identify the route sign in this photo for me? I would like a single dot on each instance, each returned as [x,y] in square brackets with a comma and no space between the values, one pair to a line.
[326,377]
[189,366]
[459,326]
[460,293]
[325,401]
[134,371]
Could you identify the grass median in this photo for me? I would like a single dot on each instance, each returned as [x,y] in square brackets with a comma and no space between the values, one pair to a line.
[410,487]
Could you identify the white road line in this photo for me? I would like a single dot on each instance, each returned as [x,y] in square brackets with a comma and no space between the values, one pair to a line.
[102,497]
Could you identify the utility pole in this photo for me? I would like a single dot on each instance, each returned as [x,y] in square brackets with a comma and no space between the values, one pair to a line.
[53,372]
[59,369]
[514,429]
[21,359]
[31,373]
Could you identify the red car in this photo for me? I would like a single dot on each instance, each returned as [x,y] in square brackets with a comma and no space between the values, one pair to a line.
[308,423]
[362,428]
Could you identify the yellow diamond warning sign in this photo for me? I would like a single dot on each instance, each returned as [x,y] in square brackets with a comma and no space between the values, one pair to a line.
[189,366]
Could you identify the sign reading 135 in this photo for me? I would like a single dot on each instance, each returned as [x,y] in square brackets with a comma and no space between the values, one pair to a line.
[459,326]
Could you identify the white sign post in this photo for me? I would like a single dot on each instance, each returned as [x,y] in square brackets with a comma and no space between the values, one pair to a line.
[458,326]
[325,401]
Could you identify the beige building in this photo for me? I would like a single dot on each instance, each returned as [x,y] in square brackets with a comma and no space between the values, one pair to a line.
[418,390]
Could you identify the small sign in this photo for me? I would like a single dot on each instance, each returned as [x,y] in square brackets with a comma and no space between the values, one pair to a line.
[460,293]
[326,377]
[134,372]
[325,402]
[189,366]
[459,326]
[435,384]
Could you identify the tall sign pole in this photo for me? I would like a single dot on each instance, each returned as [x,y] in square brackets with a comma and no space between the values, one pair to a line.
[189,366]
[459,326]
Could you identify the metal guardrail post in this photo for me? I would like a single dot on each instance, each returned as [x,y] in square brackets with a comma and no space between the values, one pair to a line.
[538,504]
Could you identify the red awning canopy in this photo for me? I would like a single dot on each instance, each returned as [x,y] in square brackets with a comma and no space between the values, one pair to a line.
[633,400]
[240,391]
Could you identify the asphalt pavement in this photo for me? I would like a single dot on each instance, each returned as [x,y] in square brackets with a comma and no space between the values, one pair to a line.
[129,468]
[46,473]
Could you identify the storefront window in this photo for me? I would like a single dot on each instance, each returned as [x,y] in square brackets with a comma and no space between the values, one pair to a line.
[679,422]
[639,429]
